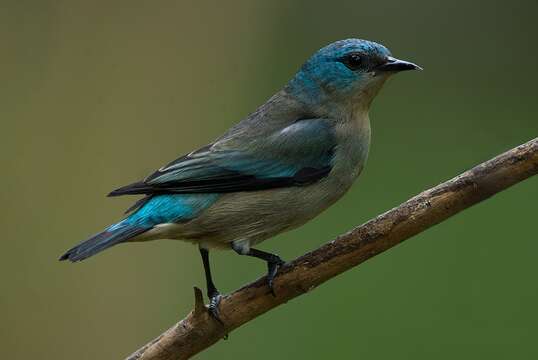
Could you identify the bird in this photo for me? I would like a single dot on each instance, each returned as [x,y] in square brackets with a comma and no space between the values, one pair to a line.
[275,170]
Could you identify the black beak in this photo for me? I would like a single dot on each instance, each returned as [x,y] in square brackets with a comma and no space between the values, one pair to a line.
[395,65]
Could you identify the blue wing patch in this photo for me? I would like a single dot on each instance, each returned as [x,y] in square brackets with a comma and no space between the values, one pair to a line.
[297,155]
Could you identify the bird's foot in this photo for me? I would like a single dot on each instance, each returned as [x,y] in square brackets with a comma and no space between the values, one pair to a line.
[272,269]
[213,306]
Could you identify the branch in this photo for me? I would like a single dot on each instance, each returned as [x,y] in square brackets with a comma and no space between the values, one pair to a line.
[198,331]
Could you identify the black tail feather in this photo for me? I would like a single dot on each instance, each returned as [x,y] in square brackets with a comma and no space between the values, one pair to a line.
[101,241]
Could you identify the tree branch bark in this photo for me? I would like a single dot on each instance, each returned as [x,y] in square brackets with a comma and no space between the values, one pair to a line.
[198,331]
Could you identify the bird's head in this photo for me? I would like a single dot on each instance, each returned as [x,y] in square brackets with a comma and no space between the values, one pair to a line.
[348,71]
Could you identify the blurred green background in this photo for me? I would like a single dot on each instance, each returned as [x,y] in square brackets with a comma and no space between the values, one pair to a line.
[98,94]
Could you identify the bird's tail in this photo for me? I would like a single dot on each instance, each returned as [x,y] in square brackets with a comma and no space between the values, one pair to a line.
[99,242]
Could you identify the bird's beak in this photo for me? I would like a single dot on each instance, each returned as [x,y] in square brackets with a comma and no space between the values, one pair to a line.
[396,65]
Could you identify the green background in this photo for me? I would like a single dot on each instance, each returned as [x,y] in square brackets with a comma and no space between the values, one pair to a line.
[95,95]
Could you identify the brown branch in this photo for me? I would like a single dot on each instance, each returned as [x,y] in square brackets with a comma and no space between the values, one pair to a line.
[198,331]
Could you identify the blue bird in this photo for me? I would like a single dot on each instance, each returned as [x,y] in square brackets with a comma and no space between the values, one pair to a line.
[275,170]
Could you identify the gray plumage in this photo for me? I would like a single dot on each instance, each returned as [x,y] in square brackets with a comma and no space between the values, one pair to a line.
[281,166]
[250,217]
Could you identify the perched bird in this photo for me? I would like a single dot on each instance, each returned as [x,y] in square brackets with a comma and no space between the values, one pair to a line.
[275,170]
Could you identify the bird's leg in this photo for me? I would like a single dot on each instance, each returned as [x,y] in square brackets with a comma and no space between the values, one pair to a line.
[274,262]
[212,292]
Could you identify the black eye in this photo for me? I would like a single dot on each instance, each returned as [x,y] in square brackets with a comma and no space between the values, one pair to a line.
[354,61]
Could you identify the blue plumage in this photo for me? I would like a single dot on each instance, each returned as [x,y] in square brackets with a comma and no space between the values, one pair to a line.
[170,208]
[325,74]
[160,209]
[278,168]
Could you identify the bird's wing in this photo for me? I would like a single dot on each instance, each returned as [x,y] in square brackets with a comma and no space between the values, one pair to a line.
[296,155]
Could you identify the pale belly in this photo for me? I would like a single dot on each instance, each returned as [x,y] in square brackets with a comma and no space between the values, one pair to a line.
[254,216]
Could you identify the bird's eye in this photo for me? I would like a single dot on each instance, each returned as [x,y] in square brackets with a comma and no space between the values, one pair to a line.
[354,61]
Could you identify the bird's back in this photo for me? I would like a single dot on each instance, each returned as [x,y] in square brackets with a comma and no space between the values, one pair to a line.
[258,215]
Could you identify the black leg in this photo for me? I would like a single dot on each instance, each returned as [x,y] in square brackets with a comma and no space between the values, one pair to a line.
[274,262]
[212,292]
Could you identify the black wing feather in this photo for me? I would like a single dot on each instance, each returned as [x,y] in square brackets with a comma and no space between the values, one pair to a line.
[233,182]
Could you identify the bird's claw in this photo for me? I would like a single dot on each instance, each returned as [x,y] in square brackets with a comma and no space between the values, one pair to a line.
[213,307]
[272,270]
